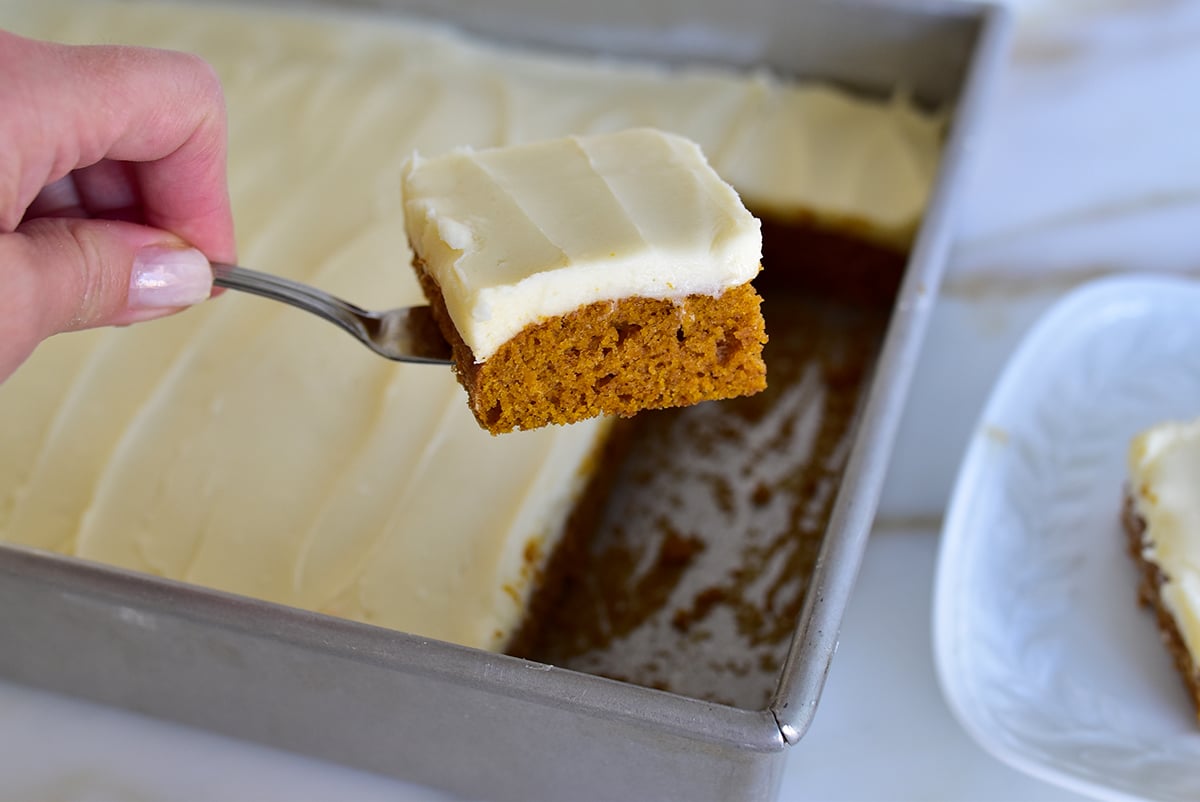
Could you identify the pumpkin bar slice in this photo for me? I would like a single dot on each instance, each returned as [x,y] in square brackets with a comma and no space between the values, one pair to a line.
[588,275]
[1161,519]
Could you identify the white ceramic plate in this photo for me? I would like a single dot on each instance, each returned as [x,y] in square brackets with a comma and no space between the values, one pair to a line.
[1041,648]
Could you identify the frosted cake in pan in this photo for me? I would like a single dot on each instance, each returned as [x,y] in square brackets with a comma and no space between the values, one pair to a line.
[245,447]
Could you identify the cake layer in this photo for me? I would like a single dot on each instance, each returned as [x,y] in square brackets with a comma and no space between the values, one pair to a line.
[1164,473]
[247,447]
[615,358]
[1151,579]
[516,235]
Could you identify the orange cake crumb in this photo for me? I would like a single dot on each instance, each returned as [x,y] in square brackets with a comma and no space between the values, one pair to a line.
[613,358]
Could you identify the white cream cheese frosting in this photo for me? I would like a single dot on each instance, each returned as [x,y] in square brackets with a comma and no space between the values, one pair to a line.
[245,446]
[1164,471]
[518,234]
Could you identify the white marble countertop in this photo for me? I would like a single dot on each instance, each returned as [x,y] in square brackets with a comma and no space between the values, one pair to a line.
[1090,166]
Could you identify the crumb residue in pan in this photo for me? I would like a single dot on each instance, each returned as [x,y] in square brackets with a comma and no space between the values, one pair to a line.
[696,576]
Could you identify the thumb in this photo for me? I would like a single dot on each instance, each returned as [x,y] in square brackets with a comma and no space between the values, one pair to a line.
[64,274]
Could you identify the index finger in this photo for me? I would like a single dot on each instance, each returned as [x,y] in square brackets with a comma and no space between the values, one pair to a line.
[69,107]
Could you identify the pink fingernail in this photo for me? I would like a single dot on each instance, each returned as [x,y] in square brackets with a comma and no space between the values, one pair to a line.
[167,277]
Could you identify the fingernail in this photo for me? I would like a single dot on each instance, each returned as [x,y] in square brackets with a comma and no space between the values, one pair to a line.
[166,277]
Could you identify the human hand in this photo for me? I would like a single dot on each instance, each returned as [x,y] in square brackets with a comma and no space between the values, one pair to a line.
[112,188]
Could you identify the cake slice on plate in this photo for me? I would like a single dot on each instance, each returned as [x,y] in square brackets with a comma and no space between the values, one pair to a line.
[1162,522]
[588,275]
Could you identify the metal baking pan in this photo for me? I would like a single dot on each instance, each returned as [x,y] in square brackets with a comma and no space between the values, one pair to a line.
[491,726]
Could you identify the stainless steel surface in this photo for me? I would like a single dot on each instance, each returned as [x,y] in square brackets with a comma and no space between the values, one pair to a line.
[481,725]
[407,334]
[485,725]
